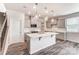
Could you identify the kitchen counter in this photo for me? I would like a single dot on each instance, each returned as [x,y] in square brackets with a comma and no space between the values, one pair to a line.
[41,34]
[38,41]
[59,30]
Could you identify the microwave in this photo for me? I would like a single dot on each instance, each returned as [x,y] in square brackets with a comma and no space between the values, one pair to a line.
[34,25]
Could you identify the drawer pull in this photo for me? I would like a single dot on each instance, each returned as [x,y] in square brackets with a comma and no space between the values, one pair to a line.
[40,38]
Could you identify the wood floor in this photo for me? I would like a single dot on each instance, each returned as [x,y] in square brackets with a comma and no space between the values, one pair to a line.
[60,48]
[17,49]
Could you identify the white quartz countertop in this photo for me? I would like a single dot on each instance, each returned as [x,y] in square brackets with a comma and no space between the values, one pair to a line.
[61,30]
[40,34]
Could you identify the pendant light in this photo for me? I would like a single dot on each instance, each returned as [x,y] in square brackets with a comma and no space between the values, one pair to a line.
[35,9]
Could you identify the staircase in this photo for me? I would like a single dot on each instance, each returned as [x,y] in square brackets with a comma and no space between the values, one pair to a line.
[0,44]
[3,34]
[2,19]
[0,47]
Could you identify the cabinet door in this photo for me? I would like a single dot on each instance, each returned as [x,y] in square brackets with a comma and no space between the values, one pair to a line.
[34,45]
[39,43]
[46,41]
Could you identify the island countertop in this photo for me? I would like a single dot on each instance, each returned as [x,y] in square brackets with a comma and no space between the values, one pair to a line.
[41,34]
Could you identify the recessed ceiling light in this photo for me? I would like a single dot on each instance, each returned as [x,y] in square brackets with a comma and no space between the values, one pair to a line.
[24,7]
[46,11]
[45,8]
[35,5]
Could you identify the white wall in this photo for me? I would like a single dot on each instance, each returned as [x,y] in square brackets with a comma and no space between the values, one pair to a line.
[16,26]
[27,22]
[2,7]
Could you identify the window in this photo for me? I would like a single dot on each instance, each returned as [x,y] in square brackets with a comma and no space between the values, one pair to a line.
[72,24]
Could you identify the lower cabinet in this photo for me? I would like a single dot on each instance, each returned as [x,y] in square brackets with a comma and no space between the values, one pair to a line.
[39,43]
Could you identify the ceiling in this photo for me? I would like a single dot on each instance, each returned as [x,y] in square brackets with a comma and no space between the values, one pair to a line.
[57,8]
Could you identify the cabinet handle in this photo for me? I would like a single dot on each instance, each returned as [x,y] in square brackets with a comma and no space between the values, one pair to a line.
[51,35]
[40,38]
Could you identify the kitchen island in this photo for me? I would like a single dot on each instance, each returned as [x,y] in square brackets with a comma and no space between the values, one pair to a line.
[38,41]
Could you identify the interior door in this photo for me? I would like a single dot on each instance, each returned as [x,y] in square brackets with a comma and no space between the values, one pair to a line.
[16,29]
[16,26]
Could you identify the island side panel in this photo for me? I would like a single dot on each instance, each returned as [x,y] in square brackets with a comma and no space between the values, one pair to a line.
[39,43]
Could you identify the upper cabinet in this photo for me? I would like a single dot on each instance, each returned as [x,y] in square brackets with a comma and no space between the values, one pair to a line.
[61,23]
[32,20]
